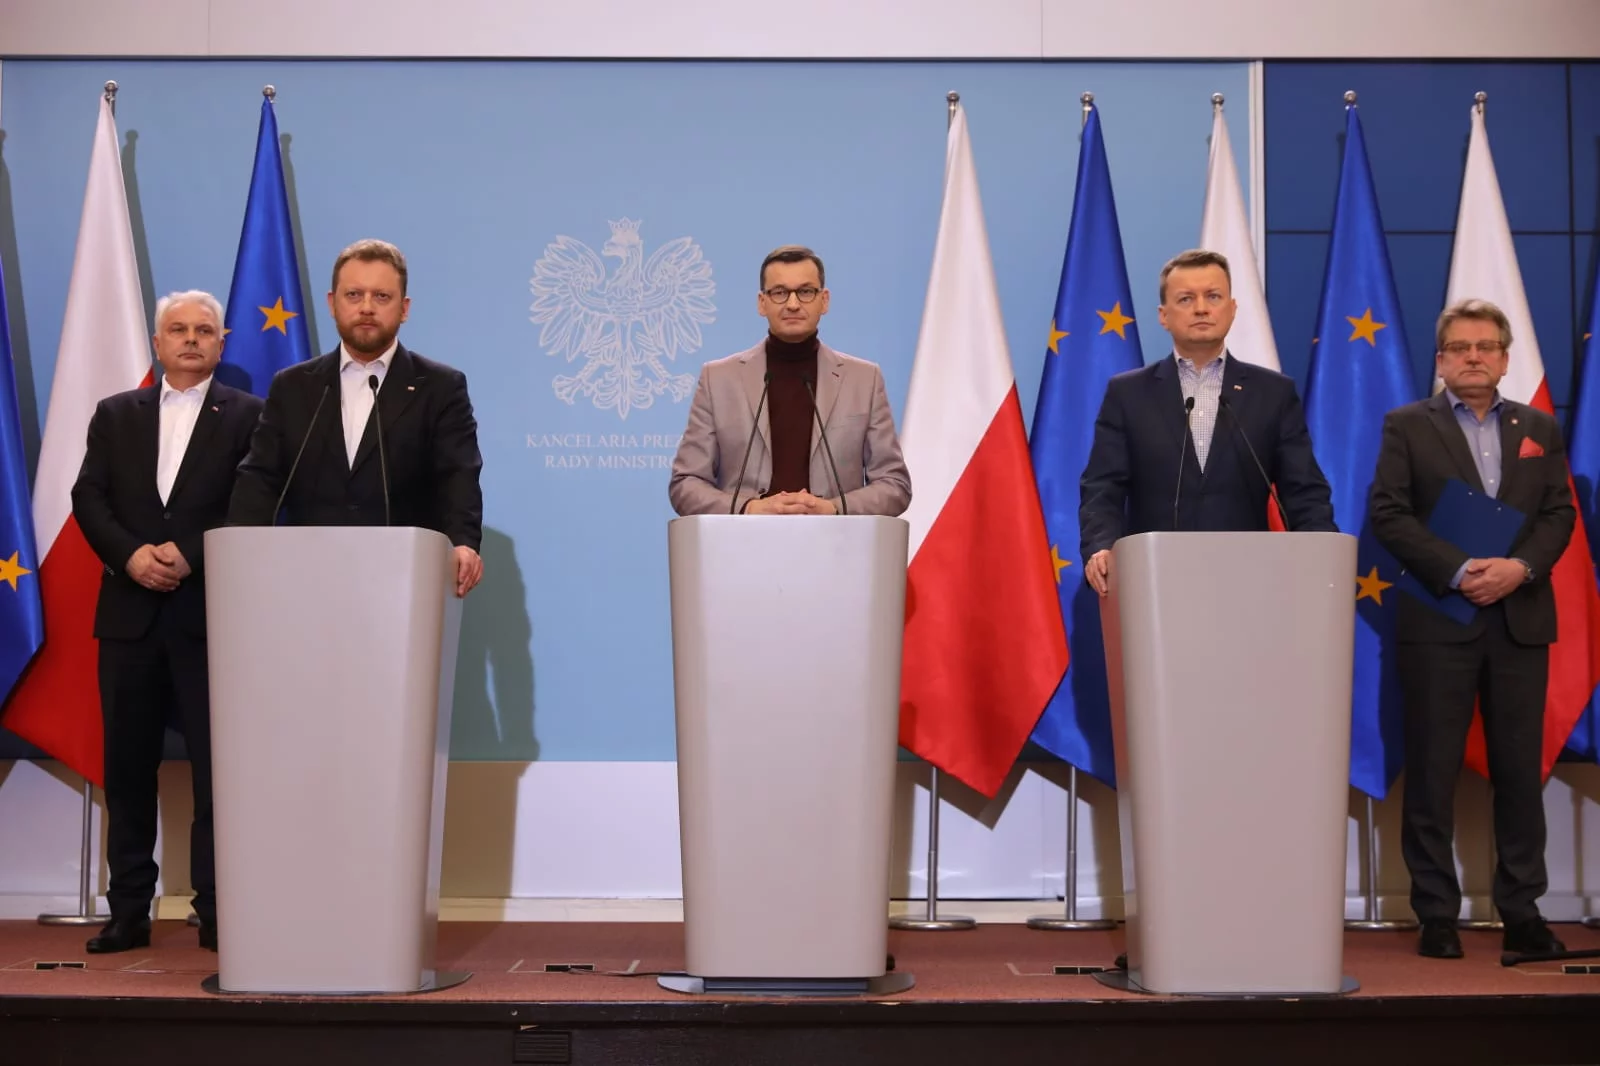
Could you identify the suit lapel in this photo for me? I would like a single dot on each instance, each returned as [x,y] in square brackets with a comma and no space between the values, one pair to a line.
[1513,431]
[753,371]
[1455,442]
[830,378]
[399,388]
[1238,395]
[212,406]
[148,425]
[1166,398]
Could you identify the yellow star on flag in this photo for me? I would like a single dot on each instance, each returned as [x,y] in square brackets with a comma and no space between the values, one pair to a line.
[10,570]
[1371,587]
[1114,320]
[1056,335]
[277,317]
[1365,328]
[1059,563]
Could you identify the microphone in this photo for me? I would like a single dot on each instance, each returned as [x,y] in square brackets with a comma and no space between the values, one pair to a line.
[383,460]
[766,381]
[833,468]
[1183,453]
[278,510]
[1272,490]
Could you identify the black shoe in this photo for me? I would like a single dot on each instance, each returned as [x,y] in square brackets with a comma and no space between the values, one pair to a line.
[208,935]
[120,934]
[1439,940]
[1531,937]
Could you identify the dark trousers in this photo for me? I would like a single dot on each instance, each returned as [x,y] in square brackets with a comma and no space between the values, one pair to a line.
[144,684]
[1440,683]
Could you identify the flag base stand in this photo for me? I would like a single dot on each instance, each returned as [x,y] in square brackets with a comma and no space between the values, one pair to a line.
[932,922]
[1372,923]
[86,914]
[1070,922]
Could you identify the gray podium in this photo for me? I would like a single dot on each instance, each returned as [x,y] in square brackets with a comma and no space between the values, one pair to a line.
[1229,660]
[786,640]
[332,657]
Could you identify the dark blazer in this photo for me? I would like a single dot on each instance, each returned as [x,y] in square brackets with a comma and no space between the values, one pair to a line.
[1131,478]
[1423,447]
[430,438]
[118,507]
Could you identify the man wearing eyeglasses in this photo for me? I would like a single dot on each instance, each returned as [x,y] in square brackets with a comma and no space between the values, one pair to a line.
[790,426]
[1499,660]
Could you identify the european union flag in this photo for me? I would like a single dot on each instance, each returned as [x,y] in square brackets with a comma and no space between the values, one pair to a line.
[1359,371]
[21,610]
[266,325]
[1092,338]
[1583,456]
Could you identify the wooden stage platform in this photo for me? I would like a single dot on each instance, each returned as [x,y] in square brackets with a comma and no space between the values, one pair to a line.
[990,996]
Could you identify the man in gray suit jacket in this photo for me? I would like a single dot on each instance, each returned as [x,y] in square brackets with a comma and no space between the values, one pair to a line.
[790,426]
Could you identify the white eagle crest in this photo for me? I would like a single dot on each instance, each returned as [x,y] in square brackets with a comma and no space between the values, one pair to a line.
[625,325]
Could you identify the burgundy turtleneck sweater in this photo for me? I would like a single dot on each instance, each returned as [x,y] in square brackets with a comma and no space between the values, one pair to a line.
[789,415]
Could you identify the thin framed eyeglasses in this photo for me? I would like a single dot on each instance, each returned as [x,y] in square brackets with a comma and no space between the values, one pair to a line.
[780,295]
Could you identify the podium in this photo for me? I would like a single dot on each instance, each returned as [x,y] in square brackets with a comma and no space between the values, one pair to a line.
[1229,661]
[786,640]
[332,659]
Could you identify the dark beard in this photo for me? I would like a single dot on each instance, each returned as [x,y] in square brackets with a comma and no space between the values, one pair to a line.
[377,344]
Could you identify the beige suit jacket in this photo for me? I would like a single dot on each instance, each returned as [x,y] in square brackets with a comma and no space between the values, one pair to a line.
[855,412]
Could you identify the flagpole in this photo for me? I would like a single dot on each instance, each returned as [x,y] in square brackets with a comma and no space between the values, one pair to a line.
[932,922]
[1369,822]
[1070,922]
[86,901]
[1480,101]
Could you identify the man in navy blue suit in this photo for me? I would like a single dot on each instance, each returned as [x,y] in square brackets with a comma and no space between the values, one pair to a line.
[1201,411]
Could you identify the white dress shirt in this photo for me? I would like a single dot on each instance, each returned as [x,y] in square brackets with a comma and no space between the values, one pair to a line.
[355,395]
[179,410]
[1205,385]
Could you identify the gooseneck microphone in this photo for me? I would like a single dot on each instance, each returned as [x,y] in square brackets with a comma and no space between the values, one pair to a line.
[766,382]
[383,460]
[1183,453]
[278,510]
[1272,490]
[833,468]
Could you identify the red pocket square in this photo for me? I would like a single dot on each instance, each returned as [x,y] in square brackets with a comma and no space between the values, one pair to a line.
[1530,448]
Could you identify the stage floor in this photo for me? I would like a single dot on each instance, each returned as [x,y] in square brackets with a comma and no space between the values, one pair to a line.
[996,988]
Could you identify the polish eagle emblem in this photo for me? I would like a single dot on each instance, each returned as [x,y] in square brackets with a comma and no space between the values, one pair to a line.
[626,326]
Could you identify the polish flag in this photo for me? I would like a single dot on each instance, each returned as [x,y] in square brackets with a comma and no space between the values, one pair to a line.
[1225,228]
[1484,266]
[984,642]
[105,348]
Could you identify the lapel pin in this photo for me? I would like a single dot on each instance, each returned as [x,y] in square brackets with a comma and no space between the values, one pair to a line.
[411,388]
[1513,421]
[1238,388]
[214,407]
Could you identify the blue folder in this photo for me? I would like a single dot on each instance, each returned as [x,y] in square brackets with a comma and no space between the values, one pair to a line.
[1479,525]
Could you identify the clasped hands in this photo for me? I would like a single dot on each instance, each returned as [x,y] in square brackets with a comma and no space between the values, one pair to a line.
[1491,580]
[801,502]
[158,566]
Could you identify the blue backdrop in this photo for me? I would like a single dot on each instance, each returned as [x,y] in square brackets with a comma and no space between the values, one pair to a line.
[475,168]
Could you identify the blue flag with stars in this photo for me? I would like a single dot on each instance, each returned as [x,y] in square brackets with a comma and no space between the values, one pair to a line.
[1092,338]
[21,610]
[1359,371]
[1583,456]
[266,325]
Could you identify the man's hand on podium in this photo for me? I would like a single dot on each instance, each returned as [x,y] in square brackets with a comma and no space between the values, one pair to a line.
[469,569]
[1097,571]
[801,502]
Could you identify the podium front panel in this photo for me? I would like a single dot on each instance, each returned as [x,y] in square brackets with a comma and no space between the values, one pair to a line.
[332,661]
[1232,719]
[786,634]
